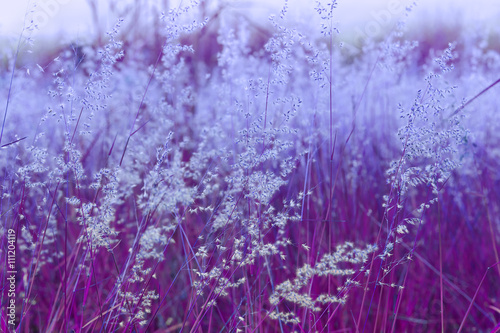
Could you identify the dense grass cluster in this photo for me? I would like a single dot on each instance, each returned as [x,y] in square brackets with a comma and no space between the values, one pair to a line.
[249,177]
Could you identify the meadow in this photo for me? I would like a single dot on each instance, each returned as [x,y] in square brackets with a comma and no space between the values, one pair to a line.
[217,174]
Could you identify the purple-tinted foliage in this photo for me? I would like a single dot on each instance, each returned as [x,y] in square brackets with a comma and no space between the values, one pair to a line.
[248,178]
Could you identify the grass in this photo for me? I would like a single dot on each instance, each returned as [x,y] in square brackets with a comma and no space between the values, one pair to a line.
[271,182]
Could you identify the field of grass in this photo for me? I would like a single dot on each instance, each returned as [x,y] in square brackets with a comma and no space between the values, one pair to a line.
[219,174]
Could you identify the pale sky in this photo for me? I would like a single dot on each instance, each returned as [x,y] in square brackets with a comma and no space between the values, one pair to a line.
[74,16]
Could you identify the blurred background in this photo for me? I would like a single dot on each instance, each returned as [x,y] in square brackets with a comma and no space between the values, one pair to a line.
[77,18]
